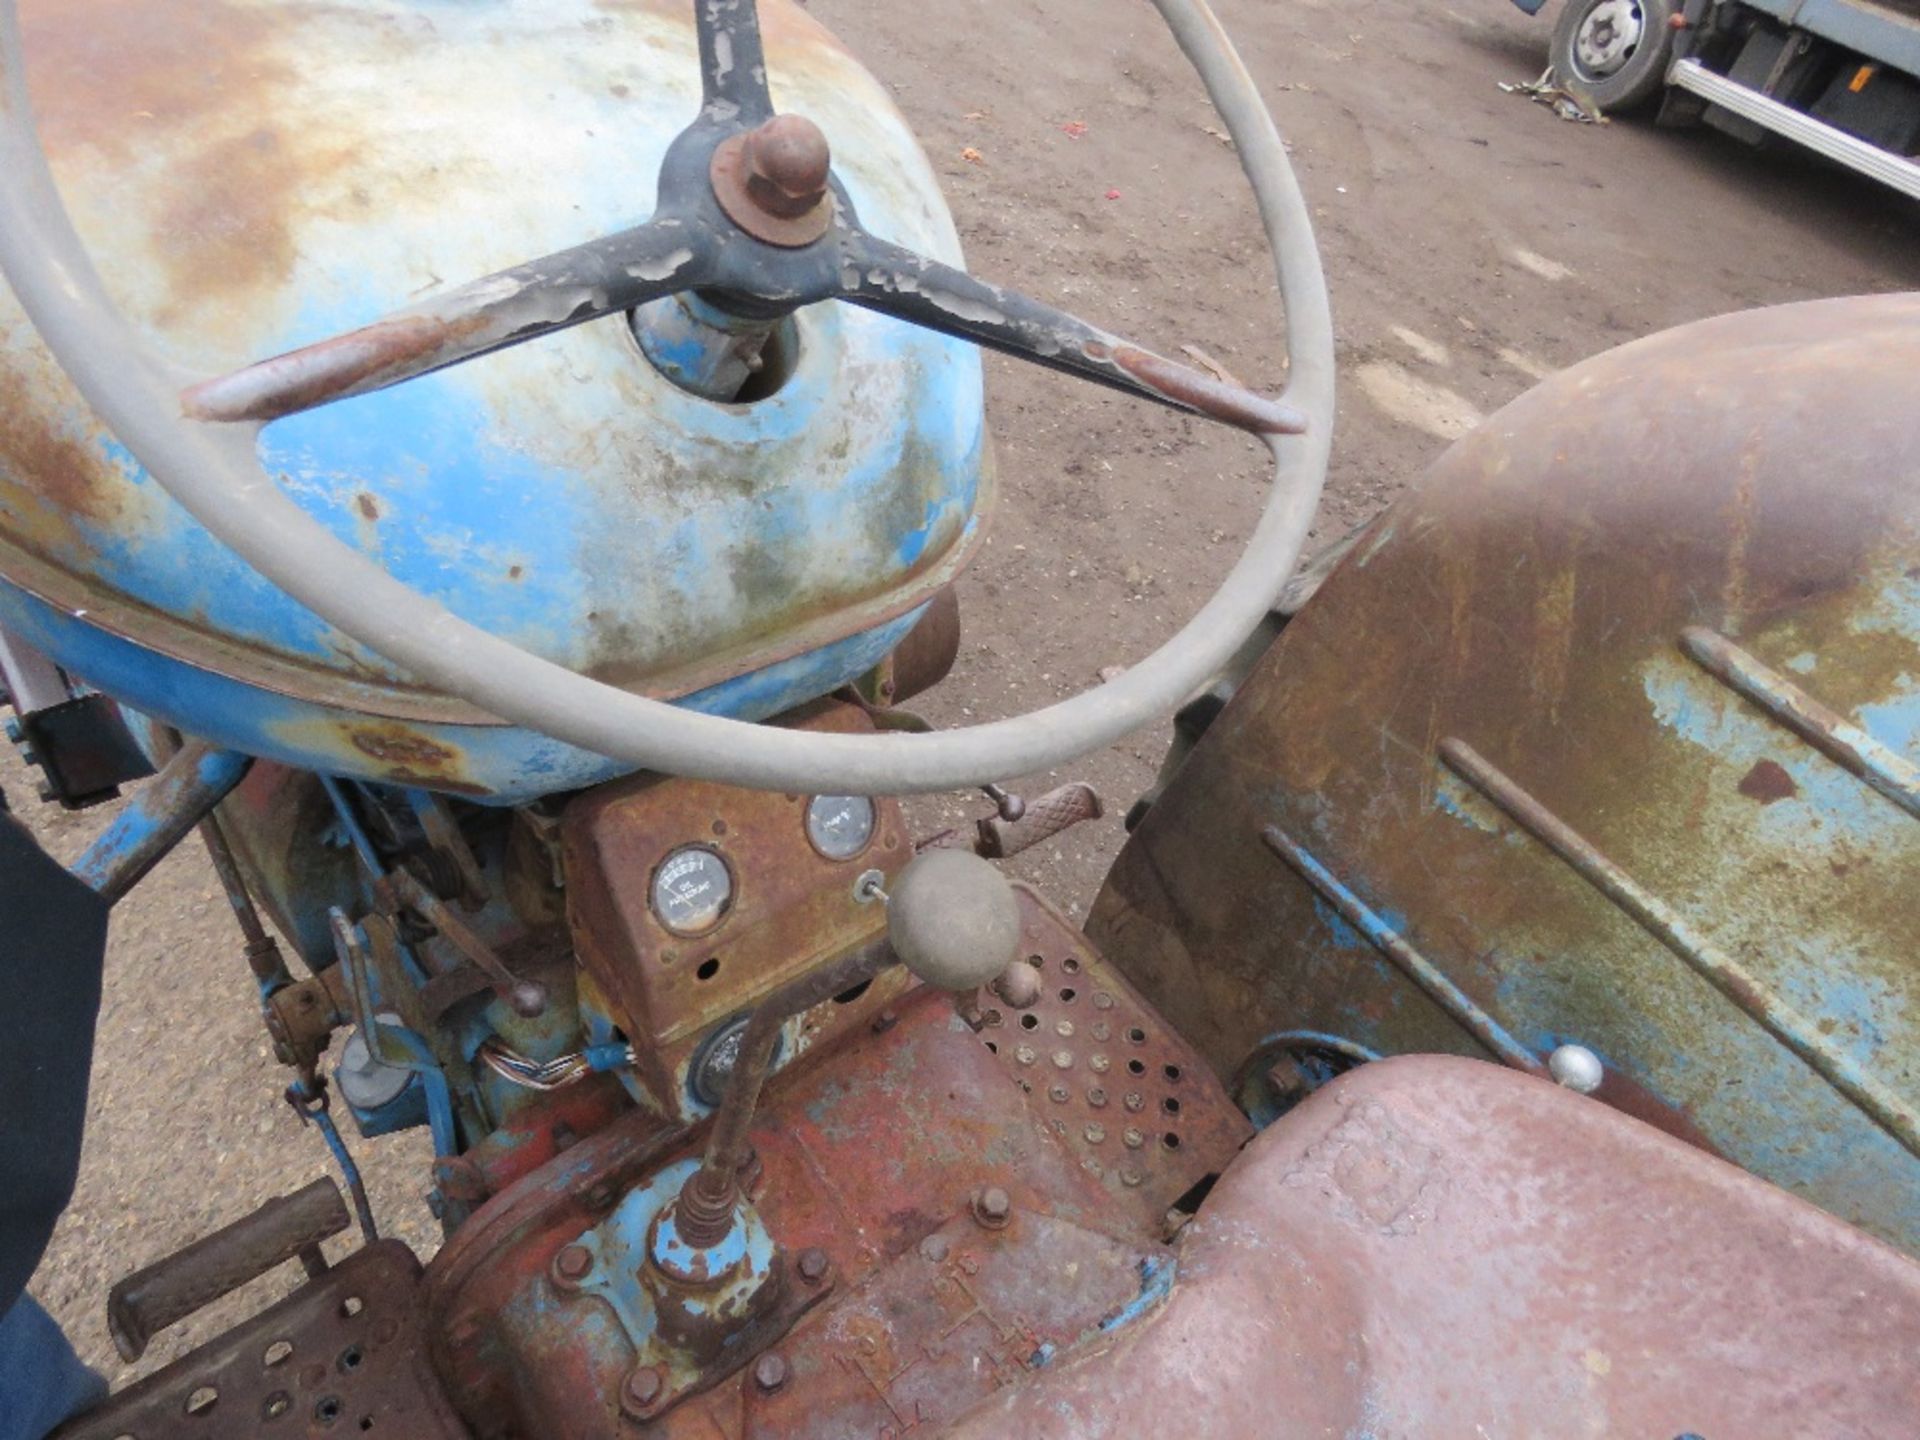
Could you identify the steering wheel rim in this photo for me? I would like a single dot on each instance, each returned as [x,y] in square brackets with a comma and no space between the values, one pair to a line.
[214,474]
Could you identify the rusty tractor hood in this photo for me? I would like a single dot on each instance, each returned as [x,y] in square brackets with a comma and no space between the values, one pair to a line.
[251,175]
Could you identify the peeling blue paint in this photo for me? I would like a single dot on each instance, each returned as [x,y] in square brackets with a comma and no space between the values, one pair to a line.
[1156,1283]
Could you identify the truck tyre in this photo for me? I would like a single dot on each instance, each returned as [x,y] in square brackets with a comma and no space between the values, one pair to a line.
[1615,51]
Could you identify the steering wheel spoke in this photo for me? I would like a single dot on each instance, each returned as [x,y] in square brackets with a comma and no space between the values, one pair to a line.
[884,277]
[733,65]
[570,287]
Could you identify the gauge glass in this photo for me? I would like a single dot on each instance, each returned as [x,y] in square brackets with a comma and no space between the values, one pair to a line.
[840,825]
[691,890]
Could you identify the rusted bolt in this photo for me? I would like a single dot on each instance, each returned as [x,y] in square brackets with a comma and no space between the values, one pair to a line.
[597,1196]
[640,1391]
[769,1372]
[787,160]
[527,998]
[884,1022]
[1286,1080]
[992,1207]
[813,1265]
[573,1264]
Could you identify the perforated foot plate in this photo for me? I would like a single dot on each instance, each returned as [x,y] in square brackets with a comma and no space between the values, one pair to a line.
[1131,1100]
[343,1355]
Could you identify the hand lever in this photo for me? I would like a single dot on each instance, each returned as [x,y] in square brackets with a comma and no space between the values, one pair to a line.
[951,919]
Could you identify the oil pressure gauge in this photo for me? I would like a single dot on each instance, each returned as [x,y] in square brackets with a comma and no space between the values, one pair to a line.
[691,890]
[840,825]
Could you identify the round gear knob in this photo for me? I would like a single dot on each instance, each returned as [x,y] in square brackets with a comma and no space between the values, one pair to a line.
[952,920]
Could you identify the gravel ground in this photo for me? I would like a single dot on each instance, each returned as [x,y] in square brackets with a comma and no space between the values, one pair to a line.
[1474,244]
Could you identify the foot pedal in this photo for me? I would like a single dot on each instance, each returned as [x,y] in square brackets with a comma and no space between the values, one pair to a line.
[169,1290]
[345,1353]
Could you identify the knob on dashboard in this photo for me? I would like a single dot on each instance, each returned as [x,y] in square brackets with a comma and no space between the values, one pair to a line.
[952,919]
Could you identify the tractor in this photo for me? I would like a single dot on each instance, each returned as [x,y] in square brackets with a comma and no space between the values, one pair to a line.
[1500,1021]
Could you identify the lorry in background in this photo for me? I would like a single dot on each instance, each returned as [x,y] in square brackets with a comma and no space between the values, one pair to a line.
[1841,77]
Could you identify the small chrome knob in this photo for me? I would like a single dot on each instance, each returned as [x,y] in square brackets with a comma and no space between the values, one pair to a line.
[1577,1068]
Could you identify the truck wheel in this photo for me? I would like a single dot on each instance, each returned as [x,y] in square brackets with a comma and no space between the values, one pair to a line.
[1615,50]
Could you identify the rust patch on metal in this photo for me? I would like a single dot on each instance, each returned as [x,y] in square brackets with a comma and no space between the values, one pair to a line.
[128,78]
[315,374]
[110,74]
[396,745]
[1433,626]
[227,223]
[56,467]
[1212,398]
[946,1325]
[1767,782]
[411,758]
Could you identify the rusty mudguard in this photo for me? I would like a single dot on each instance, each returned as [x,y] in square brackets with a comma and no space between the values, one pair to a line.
[1611,726]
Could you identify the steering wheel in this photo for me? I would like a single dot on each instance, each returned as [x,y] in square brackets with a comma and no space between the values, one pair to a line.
[750,216]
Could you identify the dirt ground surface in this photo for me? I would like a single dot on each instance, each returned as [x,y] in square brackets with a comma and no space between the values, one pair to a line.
[1474,244]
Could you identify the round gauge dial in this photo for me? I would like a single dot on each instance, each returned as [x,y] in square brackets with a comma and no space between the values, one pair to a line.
[691,890]
[840,825]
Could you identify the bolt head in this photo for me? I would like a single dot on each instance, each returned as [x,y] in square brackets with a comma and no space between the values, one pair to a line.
[1577,1068]
[527,998]
[992,1207]
[573,1264]
[813,1265]
[640,1391]
[769,1372]
[787,161]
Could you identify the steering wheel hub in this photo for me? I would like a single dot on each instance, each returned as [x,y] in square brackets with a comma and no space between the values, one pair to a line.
[772,181]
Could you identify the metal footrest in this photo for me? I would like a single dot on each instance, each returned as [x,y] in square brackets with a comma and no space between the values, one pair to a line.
[344,1353]
[157,1295]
